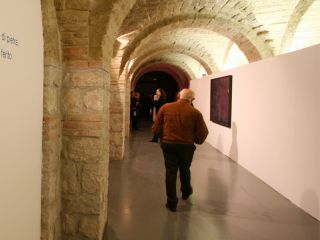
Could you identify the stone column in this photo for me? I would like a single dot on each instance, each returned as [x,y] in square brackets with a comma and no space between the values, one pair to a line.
[117,109]
[51,143]
[85,139]
[85,153]
[127,108]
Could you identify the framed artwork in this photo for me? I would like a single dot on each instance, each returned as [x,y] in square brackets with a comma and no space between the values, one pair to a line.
[220,102]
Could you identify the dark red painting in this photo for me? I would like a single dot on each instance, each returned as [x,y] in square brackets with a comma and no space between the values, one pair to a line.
[220,106]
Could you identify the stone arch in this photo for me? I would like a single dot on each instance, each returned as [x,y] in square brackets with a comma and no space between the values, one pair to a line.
[105,20]
[104,51]
[295,18]
[227,51]
[75,153]
[210,68]
[248,39]
[177,72]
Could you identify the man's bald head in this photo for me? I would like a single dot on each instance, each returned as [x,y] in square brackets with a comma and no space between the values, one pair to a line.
[187,94]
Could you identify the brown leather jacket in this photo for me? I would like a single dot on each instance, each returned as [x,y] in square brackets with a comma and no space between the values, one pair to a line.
[179,122]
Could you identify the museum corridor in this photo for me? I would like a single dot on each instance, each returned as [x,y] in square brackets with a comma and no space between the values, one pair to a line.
[69,165]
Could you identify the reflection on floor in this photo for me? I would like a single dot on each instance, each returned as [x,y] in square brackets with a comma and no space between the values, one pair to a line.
[228,202]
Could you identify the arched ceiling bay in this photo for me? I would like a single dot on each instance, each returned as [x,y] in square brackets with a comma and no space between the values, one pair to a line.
[205,46]
[207,29]
[180,75]
[249,42]
[307,31]
[178,60]
[199,66]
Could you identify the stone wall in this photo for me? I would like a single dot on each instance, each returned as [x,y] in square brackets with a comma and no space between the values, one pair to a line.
[77,113]
[117,109]
[51,165]
[85,153]
[127,108]
[85,150]
[120,88]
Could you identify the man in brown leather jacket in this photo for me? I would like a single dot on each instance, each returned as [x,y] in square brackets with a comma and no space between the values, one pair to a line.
[179,125]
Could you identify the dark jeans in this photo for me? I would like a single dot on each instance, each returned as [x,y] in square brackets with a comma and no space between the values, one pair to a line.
[155,138]
[177,156]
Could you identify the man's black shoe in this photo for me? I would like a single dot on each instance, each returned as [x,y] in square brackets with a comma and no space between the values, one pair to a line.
[171,207]
[186,196]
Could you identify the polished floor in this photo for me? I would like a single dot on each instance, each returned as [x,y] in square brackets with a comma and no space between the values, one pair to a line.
[228,202]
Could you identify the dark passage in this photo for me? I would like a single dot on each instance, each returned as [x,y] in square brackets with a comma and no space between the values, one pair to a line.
[148,84]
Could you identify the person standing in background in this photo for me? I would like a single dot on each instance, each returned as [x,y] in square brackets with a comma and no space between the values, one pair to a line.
[134,110]
[159,99]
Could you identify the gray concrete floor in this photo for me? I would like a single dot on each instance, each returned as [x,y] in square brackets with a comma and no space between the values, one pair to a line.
[228,202]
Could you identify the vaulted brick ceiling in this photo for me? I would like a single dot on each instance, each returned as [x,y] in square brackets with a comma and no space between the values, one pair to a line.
[198,34]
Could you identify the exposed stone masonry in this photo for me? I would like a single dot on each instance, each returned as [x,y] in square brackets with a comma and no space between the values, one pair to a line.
[75,185]
[51,146]
[117,109]
[85,152]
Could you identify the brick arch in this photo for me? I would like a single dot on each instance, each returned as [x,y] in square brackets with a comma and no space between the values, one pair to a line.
[246,37]
[208,64]
[106,17]
[181,76]
[172,61]
[105,22]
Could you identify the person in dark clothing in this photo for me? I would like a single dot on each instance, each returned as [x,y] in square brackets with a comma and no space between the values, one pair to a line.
[134,107]
[180,126]
[159,99]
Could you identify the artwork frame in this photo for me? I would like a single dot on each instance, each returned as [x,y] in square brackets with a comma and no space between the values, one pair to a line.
[221,100]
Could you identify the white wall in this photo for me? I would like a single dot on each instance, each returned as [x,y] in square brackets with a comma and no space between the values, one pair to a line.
[21,86]
[275,131]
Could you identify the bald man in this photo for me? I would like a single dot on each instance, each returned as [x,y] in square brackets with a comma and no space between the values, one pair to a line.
[179,126]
